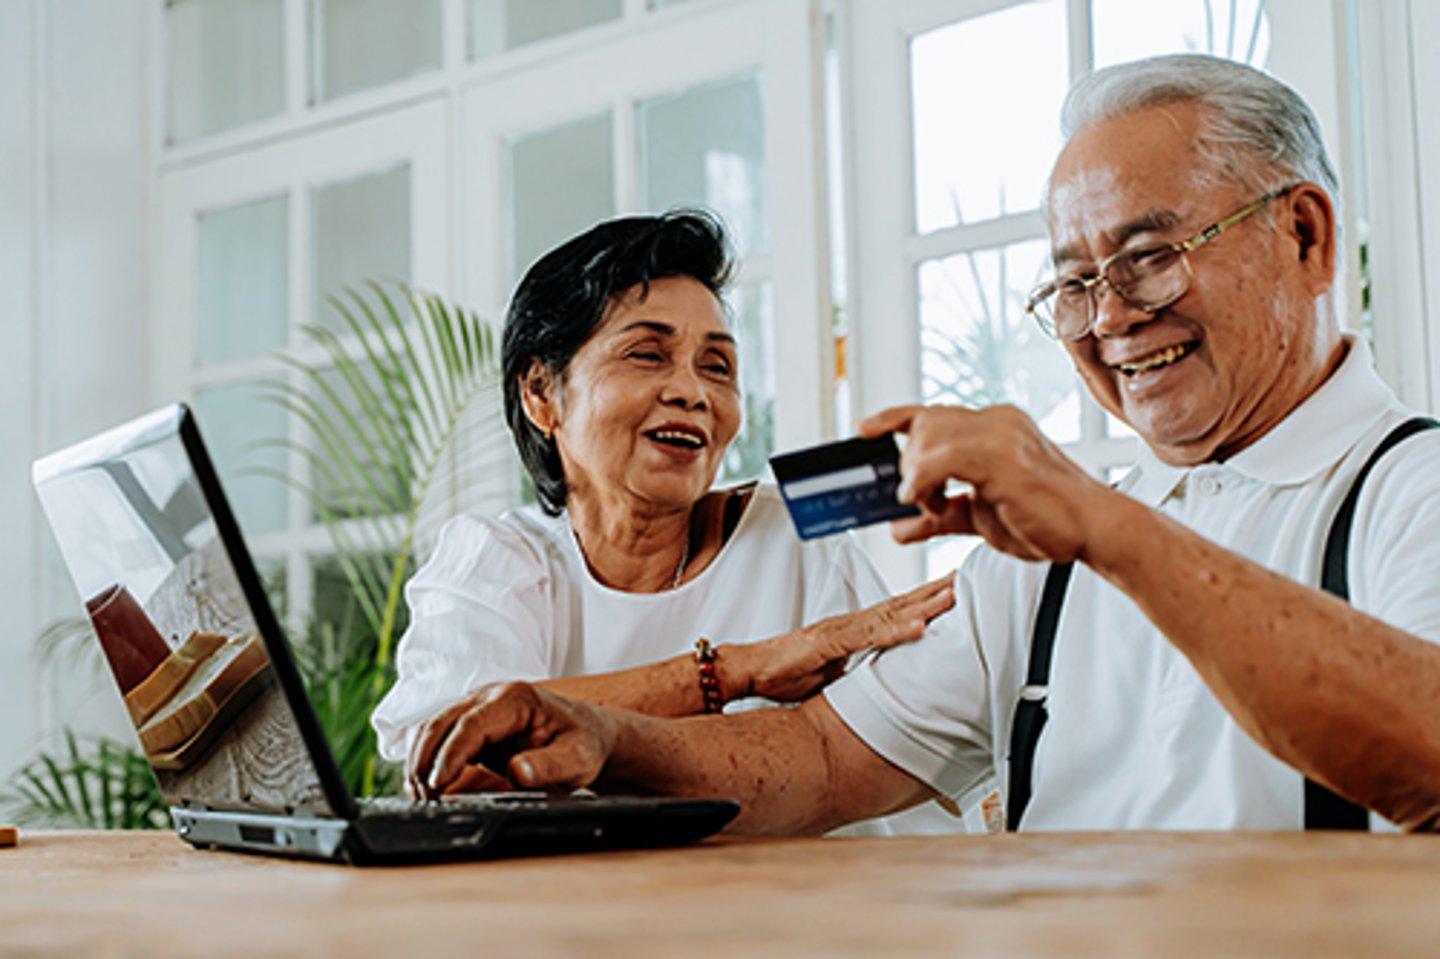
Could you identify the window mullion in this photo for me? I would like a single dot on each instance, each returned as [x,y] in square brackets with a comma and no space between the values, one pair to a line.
[1082,37]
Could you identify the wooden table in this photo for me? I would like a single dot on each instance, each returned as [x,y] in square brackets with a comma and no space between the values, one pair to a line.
[1101,894]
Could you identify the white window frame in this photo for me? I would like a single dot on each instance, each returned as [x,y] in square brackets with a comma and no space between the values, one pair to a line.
[712,42]
[294,167]
[1400,93]
[447,124]
[878,149]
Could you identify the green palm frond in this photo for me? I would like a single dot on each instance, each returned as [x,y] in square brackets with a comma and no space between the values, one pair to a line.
[92,785]
[381,412]
[384,412]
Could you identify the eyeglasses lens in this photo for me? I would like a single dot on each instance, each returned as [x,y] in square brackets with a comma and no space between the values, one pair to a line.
[1149,277]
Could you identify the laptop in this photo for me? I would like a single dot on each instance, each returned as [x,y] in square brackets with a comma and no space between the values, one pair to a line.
[218,701]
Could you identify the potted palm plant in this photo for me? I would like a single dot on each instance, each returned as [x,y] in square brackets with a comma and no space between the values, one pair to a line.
[399,427]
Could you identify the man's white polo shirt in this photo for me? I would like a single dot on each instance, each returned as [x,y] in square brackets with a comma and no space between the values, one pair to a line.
[1135,740]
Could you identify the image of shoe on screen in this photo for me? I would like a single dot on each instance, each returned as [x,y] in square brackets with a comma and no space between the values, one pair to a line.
[634,583]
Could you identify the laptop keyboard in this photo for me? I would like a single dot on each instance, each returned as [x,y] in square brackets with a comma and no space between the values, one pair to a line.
[468,802]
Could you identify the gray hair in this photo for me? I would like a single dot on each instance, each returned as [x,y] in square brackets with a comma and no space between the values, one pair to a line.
[1256,132]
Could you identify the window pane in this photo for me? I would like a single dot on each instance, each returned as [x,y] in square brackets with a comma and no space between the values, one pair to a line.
[1129,29]
[986,96]
[706,146]
[497,25]
[364,43]
[754,317]
[979,348]
[243,431]
[360,230]
[225,63]
[372,478]
[562,181]
[244,280]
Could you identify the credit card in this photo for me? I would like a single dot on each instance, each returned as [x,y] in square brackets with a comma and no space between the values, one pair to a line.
[844,485]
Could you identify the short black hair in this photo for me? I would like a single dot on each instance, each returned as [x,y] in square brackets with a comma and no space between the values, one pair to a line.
[564,295]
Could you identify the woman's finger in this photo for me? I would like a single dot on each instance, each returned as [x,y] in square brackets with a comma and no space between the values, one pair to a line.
[475,779]
[492,717]
[897,620]
[427,741]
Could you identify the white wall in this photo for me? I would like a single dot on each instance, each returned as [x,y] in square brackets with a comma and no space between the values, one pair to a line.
[73,238]
[17,423]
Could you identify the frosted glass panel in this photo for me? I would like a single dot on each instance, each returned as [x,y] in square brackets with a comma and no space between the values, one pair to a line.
[986,97]
[244,282]
[360,231]
[497,25]
[225,64]
[562,181]
[706,146]
[753,314]
[1129,29]
[364,43]
[979,348]
[347,490]
[242,430]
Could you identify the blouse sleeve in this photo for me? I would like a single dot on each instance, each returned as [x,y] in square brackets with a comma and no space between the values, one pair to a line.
[482,610]
[848,581]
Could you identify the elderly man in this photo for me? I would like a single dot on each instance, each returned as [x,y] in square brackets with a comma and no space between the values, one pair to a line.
[1200,675]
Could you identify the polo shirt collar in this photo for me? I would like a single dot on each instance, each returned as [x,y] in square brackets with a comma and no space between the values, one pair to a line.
[1316,434]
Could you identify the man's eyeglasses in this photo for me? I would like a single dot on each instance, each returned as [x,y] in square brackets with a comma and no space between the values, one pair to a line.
[1149,278]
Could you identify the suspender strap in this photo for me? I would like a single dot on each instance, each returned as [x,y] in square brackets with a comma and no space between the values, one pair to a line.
[1030,713]
[1335,574]
[1324,809]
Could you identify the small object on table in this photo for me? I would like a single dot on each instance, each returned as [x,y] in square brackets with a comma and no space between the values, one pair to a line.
[9,836]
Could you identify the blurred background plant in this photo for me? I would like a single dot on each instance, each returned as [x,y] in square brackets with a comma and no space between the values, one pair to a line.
[401,416]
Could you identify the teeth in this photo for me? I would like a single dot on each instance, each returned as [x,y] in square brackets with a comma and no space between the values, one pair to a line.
[1154,361]
[675,436]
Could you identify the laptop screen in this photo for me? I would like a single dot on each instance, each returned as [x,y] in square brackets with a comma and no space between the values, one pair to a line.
[142,544]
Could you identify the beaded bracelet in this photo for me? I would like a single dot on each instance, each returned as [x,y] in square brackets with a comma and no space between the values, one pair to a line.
[709,682]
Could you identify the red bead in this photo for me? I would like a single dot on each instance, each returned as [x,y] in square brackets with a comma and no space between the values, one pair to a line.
[709,682]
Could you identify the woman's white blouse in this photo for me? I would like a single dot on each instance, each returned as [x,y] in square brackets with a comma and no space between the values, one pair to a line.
[511,598]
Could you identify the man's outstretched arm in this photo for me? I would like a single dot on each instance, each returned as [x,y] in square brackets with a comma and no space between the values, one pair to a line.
[794,771]
[1343,697]
[1349,700]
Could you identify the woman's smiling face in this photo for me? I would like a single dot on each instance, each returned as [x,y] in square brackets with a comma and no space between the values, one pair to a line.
[650,403]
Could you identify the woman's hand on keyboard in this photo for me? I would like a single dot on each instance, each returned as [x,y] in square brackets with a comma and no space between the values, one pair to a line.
[505,736]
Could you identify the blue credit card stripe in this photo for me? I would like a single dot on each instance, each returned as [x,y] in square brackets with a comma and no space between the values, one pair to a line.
[829,482]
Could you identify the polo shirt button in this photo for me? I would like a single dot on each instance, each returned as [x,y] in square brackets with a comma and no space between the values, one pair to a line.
[1209,485]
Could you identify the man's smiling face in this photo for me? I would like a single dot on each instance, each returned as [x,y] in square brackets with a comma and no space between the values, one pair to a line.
[1205,376]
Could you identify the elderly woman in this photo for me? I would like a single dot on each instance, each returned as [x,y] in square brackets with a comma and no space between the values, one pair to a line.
[634,583]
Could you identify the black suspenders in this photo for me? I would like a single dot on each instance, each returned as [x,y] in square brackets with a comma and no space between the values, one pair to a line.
[1323,809]
[1030,711]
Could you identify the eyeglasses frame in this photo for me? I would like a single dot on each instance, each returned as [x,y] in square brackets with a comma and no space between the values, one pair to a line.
[1052,287]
